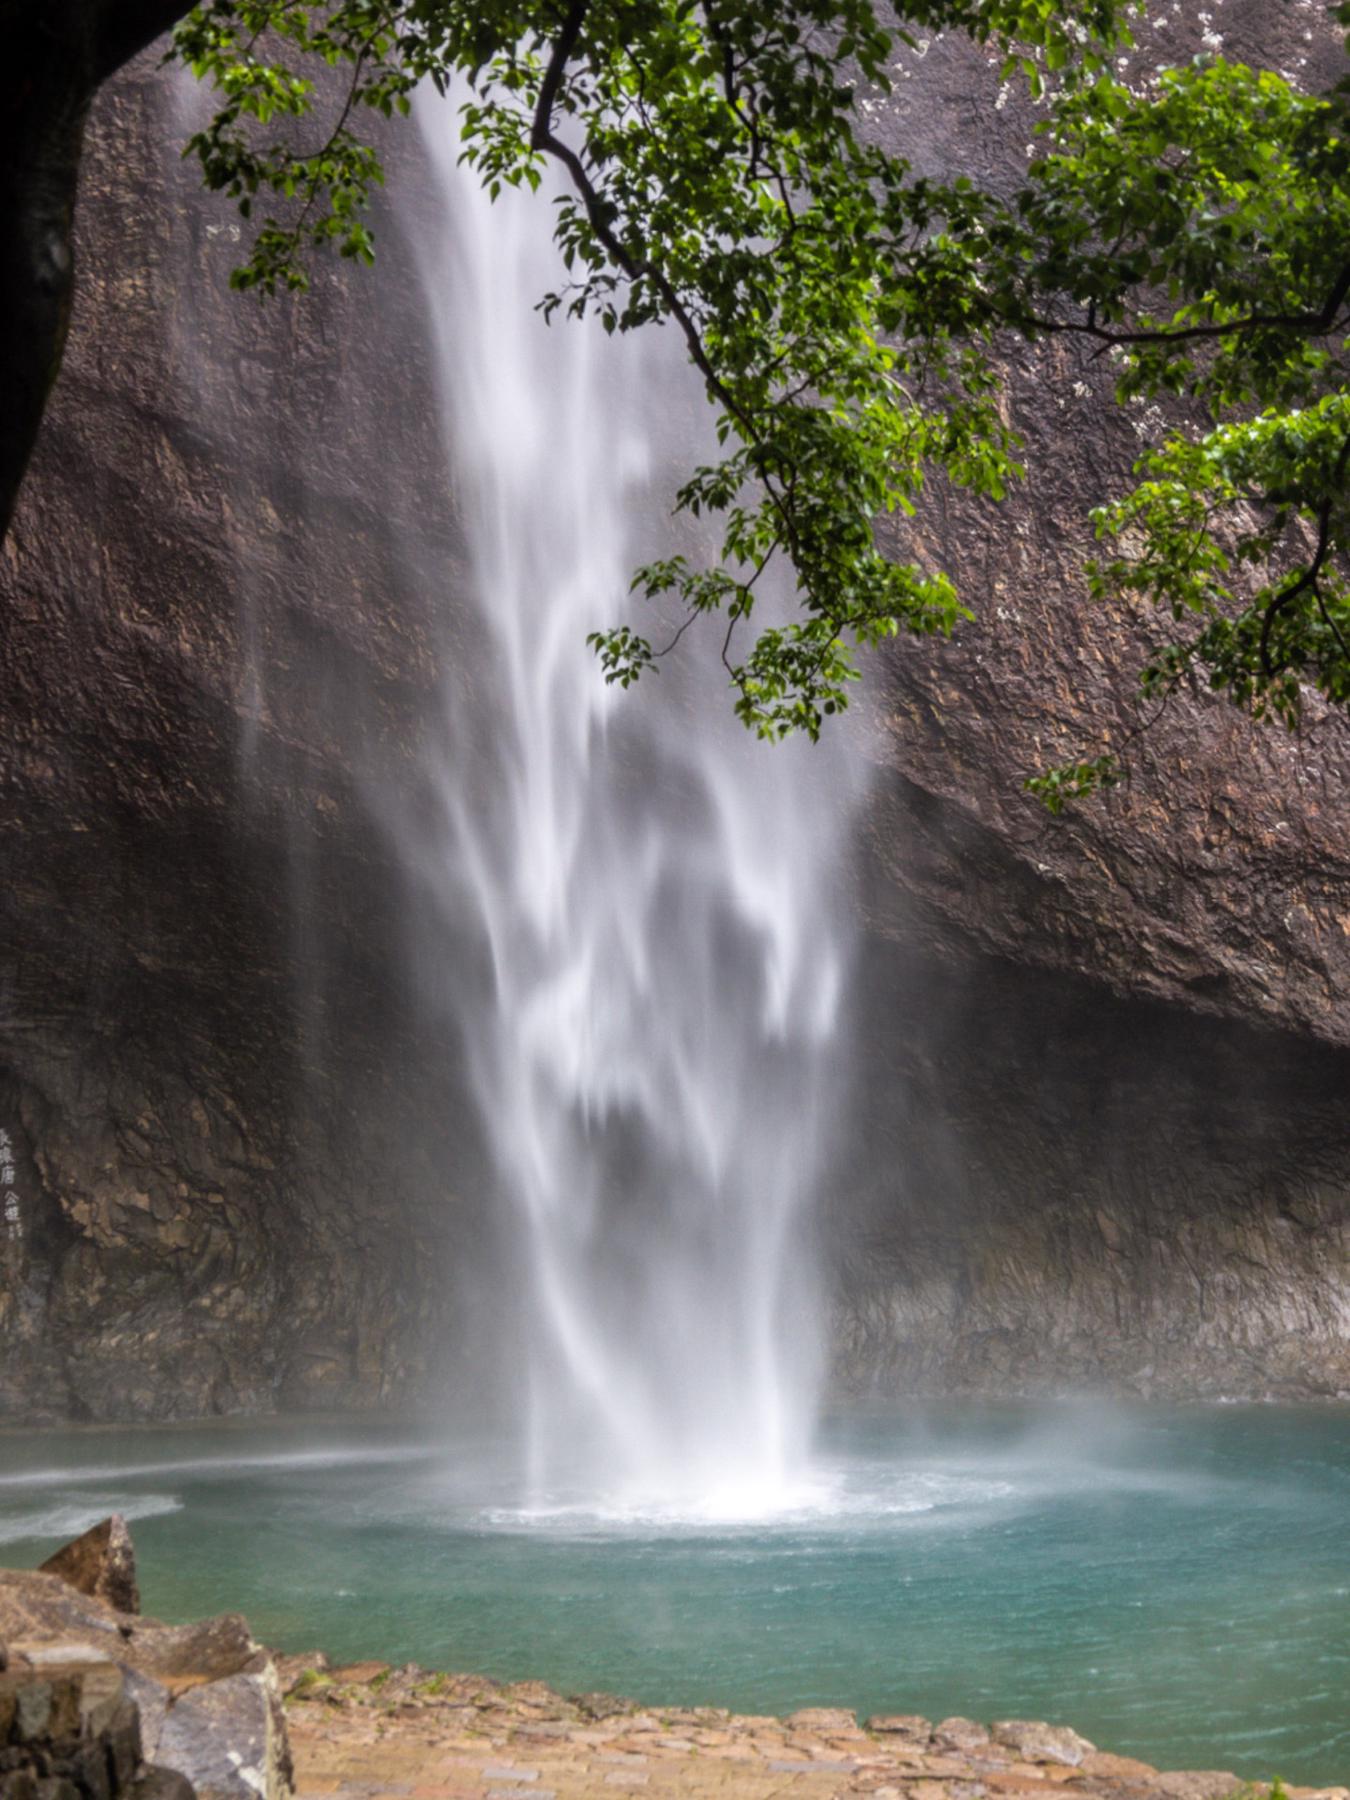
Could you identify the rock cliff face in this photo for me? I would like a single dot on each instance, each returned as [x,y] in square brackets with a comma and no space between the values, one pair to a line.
[1103,1071]
[1108,1052]
[221,1116]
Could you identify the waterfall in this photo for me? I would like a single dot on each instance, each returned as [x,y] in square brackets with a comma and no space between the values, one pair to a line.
[656,1050]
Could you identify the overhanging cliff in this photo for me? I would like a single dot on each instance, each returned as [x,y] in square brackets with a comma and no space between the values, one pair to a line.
[1102,1062]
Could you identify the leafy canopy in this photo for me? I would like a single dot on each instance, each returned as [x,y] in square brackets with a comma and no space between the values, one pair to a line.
[844,312]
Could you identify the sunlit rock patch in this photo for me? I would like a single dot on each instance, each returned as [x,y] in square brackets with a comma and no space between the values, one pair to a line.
[375,1731]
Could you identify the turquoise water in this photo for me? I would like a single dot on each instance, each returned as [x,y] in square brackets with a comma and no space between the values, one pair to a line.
[1173,1582]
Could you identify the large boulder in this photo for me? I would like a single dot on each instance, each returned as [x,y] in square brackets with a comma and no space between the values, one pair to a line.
[229,1736]
[71,1731]
[101,1563]
[205,1696]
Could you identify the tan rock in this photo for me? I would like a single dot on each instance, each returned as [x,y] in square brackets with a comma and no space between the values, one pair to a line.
[602,1706]
[360,1674]
[101,1563]
[1035,1741]
[39,1611]
[186,1655]
[302,1671]
[911,1728]
[957,1733]
[1197,1784]
[532,1694]
[1105,1766]
[65,1650]
[822,1718]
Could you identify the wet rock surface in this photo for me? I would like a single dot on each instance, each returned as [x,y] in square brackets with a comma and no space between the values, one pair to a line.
[412,1732]
[1099,1091]
[1218,877]
[204,1698]
[71,1731]
[222,1125]
[1104,1064]
[229,1735]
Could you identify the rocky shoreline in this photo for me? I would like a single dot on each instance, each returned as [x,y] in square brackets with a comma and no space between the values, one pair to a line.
[99,1703]
[373,1732]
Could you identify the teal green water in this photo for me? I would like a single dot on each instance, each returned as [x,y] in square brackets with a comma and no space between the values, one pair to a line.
[1173,1582]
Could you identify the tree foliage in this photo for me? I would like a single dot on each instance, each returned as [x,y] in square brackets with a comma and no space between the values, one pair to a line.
[845,313]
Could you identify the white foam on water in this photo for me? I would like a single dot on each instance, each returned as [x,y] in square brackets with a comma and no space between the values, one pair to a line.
[67,1519]
[824,1500]
[224,1464]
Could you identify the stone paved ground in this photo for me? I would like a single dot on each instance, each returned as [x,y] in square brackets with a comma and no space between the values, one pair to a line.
[370,1733]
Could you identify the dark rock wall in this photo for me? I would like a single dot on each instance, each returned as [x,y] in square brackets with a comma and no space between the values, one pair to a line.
[1106,1054]
[1219,876]
[228,1183]
[1064,1189]
[1100,1083]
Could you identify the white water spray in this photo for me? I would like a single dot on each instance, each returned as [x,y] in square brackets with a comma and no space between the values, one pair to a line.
[656,1061]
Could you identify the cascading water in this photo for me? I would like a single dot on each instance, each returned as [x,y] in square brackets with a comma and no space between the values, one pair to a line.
[655,1057]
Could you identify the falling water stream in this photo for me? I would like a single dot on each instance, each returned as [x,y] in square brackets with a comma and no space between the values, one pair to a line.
[650,979]
[655,1055]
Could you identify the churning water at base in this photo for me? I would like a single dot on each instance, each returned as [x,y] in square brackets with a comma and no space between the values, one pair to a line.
[655,1039]
[1175,1583]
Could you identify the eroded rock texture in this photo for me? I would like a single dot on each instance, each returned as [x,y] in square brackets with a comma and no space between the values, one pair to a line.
[1106,1054]
[101,1562]
[200,1703]
[222,1121]
[1101,1082]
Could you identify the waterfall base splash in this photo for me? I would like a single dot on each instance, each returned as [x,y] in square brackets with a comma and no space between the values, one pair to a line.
[1171,1580]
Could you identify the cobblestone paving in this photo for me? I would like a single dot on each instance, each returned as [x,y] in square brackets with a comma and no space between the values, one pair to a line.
[367,1732]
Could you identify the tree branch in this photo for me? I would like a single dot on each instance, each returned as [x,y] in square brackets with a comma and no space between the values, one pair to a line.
[1308,578]
[544,140]
[1314,323]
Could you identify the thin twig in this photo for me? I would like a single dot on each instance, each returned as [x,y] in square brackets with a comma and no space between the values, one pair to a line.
[1308,578]
[1316,323]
